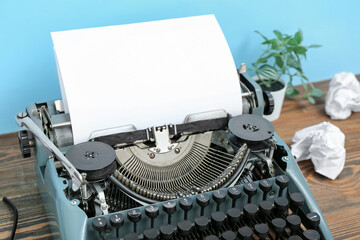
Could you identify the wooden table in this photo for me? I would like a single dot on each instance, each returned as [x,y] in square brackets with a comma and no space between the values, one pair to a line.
[339,199]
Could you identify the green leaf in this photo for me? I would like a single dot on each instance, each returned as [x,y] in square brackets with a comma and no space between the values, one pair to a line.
[293,42]
[294,63]
[265,38]
[316,93]
[279,62]
[291,91]
[314,46]
[299,36]
[268,72]
[262,60]
[278,34]
[300,50]
[275,44]
[311,99]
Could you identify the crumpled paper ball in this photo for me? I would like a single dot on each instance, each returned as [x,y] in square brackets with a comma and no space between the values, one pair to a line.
[343,96]
[324,145]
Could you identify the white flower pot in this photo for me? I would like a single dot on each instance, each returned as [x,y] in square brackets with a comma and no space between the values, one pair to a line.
[279,96]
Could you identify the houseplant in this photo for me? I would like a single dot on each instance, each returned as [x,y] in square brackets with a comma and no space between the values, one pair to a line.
[282,59]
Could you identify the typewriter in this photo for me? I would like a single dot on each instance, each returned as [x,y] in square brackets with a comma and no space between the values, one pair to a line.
[215,176]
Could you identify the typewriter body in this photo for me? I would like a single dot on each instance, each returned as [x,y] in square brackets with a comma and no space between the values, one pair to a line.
[213,177]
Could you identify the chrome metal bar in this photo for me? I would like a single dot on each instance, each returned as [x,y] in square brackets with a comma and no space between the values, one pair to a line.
[24,120]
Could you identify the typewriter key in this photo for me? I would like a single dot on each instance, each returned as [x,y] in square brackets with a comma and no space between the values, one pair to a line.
[245,233]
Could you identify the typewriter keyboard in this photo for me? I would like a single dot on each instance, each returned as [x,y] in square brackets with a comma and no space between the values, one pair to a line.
[264,209]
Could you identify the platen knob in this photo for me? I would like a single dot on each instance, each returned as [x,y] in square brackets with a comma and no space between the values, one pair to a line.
[24,143]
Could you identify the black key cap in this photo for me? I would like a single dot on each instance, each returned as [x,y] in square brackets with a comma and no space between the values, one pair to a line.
[151,234]
[250,189]
[278,224]
[203,200]
[99,224]
[218,219]
[184,228]
[282,181]
[234,193]
[265,186]
[265,208]
[245,233]
[169,207]
[116,220]
[293,222]
[295,237]
[312,220]
[219,196]
[250,211]
[201,223]
[296,201]
[281,205]
[131,236]
[311,234]
[233,215]
[166,232]
[228,235]
[211,237]
[261,230]
[152,212]
[186,204]
[134,216]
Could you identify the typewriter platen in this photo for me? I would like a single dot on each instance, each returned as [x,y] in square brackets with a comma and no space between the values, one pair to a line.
[213,177]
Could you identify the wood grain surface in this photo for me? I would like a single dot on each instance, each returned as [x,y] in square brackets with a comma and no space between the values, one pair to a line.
[339,199]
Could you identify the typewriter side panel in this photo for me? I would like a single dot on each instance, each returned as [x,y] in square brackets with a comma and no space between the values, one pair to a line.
[299,184]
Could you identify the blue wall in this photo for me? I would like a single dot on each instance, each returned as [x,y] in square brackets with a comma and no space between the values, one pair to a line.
[27,65]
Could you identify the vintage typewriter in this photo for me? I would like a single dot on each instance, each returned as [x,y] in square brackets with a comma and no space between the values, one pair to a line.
[213,177]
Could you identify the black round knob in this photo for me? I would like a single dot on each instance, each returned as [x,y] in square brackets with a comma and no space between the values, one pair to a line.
[201,223]
[184,228]
[218,218]
[250,189]
[131,236]
[295,237]
[203,200]
[265,186]
[116,220]
[269,102]
[234,193]
[152,212]
[278,224]
[250,211]
[282,181]
[311,234]
[134,215]
[169,207]
[312,220]
[219,196]
[186,204]
[265,208]
[233,214]
[166,232]
[261,230]
[228,235]
[281,204]
[245,233]
[99,223]
[24,143]
[211,237]
[151,234]
[293,222]
[296,201]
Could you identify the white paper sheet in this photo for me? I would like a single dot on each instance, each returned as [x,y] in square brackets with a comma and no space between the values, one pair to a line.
[145,74]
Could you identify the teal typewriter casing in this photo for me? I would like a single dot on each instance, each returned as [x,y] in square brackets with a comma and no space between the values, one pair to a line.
[70,222]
